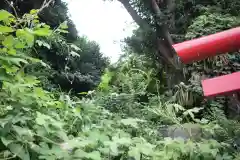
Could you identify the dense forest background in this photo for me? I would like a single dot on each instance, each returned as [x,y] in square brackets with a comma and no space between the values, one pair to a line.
[62,99]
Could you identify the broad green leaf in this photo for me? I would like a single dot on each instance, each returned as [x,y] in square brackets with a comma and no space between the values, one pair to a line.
[22,131]
[6,120]
[4,15]
[19,150]
[79,153]
[62,135]
[134,152]
[12,51]
[19,45]
[8,41]
[26,36]
[42,32]
[96,135]
[2,37]
[95,155]
[41,118]
[5,29]
[39,92]
[114,149]
[105,150]
[145,148]
[125,141]
[6,141]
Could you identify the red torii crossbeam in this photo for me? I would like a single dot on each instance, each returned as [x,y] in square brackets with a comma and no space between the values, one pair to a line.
[222,85]
[209,46]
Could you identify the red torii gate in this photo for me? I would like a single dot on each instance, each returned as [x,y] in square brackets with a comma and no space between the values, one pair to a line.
[209,46]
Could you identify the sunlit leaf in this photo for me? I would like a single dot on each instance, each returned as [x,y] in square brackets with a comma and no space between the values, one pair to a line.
[33,11]
[8,41]
[63,25]
[42,32]
[19,45]
[5,29]
[12,51]
[26,36]
[4,15]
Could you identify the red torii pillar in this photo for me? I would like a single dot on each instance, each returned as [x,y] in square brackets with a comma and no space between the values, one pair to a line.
[210,46]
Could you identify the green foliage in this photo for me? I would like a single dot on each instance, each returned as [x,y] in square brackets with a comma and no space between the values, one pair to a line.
[75,64]
[122,118]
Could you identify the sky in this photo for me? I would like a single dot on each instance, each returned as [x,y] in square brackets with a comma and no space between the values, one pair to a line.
[102,21]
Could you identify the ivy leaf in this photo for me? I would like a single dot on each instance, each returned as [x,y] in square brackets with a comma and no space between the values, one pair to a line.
[5,29]
[19,150]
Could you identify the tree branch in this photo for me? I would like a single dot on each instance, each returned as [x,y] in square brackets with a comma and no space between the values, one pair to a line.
[142,23]
[164,40]
[11,5]
[45,5]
